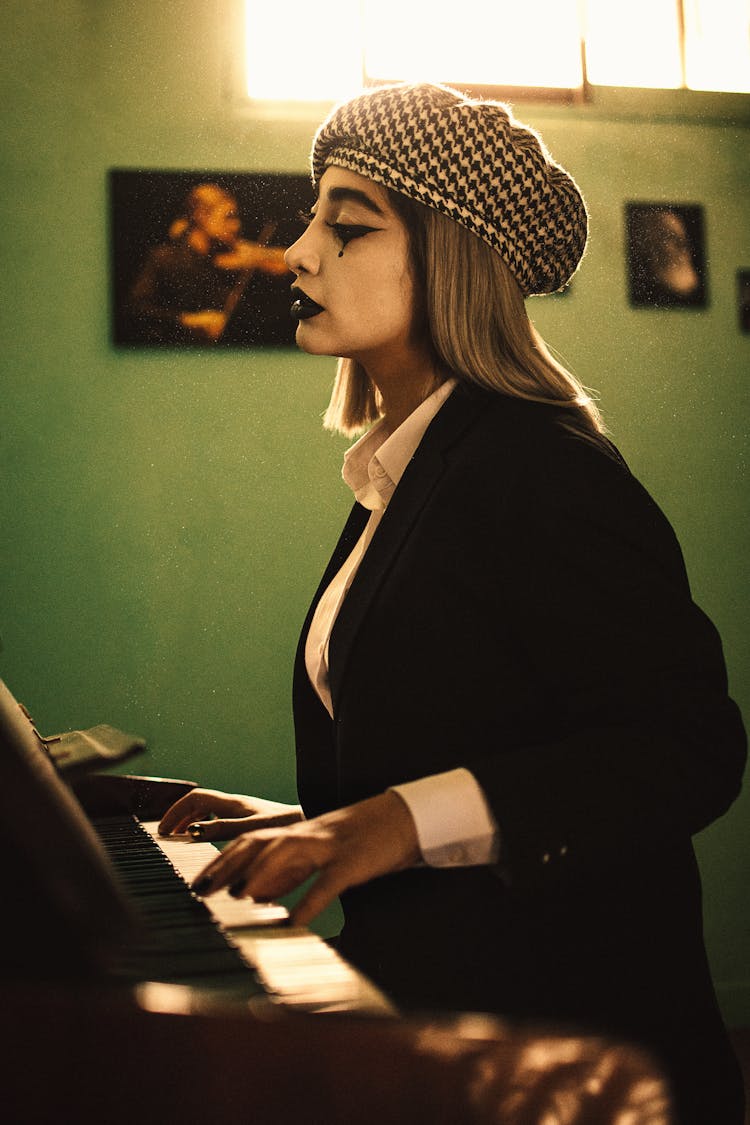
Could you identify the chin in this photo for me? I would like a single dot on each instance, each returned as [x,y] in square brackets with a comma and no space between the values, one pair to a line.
[307,341]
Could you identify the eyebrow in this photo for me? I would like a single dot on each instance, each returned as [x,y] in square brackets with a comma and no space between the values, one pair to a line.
[354,195]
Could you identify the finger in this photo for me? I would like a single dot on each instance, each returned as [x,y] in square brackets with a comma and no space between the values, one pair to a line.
[180,826]
[281,867]
[178,815]
[321,894]
[226,869]
[228,829]
[197,806]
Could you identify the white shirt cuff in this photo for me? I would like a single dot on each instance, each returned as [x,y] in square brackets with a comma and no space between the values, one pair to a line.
[455,826]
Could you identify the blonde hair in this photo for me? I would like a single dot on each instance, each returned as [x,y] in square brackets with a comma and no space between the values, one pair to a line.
[473,315]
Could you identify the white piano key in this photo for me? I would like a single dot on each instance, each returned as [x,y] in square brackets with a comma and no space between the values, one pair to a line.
[295,965]
[189,857]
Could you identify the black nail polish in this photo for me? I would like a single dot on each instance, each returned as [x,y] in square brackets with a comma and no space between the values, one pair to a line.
[201,886]
[237,888]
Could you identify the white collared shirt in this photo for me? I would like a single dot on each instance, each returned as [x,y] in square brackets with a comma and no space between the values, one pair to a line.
[455,825]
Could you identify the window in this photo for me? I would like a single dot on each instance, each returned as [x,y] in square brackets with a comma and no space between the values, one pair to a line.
[693,44]
[717,44]
[633,44]
[537,43]
[327,51]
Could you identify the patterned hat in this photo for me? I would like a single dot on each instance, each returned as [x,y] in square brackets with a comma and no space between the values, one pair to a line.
[470,160]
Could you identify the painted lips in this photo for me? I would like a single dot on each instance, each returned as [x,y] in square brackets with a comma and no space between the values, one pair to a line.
[303,307]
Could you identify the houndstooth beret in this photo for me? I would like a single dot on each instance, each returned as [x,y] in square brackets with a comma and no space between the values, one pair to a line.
[470,160]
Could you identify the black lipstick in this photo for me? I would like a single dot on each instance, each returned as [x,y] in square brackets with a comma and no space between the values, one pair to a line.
[303,307]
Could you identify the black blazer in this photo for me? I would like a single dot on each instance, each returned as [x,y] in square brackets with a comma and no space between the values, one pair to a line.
[523,610]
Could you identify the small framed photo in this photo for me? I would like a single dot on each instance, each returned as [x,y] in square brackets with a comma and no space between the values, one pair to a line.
[743,299]
[198,257]
[666,255]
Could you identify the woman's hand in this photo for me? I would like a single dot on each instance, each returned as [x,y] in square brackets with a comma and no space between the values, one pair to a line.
[211,815]
[346,847]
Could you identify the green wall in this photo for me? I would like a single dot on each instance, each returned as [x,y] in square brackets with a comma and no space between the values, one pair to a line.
[165,517]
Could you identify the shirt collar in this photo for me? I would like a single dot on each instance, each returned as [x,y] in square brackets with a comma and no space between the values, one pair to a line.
[374,465]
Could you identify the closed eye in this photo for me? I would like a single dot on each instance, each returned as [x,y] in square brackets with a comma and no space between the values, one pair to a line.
[347,232]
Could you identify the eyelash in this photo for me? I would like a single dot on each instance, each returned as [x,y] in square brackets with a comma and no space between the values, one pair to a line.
[345,232]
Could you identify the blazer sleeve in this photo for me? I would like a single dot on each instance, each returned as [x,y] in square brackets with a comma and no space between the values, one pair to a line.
[651,749]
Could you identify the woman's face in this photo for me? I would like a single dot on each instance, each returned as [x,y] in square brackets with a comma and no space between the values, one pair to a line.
[361,301]
[219,221]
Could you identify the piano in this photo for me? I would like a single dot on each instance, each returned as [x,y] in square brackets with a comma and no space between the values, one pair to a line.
[124,995]
[120,895]
[231,948]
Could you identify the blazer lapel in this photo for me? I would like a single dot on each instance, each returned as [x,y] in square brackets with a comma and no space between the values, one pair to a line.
[421,475]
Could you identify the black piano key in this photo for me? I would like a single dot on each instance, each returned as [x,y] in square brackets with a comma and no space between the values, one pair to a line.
[179,939]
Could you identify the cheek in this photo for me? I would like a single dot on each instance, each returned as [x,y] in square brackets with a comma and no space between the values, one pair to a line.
[394,275]
[388,308]
[402,302]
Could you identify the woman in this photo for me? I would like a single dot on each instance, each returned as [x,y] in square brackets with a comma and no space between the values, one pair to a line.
[510,717]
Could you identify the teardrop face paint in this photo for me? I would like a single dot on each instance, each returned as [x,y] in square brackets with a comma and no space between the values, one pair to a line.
[353,295]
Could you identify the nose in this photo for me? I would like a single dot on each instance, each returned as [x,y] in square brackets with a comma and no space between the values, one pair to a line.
[302,256]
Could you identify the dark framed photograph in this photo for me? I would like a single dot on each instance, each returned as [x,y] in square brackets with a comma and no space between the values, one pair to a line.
[743,299]
[666,255]
[198,257]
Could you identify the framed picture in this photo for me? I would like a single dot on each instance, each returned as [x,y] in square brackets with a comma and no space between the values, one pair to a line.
[198,257]
[666,255]
[743,299]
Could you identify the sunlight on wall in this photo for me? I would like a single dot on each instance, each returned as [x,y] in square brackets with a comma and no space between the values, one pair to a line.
[303,52]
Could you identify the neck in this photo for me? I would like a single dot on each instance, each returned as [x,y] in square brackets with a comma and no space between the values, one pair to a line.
[402,391]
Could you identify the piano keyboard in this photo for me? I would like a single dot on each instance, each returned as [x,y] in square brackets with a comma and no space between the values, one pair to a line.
[231,946]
